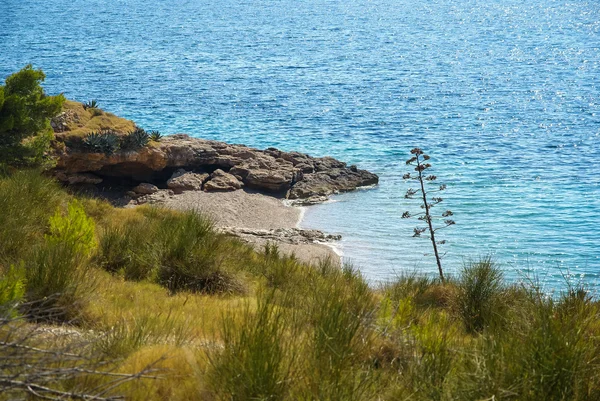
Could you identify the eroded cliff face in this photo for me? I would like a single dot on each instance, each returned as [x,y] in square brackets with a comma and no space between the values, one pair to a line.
[290,174]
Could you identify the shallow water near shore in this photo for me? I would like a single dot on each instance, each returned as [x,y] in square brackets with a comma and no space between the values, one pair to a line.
[504,95]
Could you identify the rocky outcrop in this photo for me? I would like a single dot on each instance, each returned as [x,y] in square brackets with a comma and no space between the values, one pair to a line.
[293,174]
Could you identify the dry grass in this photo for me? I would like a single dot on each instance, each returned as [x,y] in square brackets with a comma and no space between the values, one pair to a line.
[321,334]
[82,121]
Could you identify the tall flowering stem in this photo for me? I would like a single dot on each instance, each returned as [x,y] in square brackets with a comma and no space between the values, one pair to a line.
[419,161]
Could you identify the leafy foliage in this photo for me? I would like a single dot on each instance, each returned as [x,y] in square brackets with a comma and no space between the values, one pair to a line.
[25,112]
[12,290]
[76,229]
[419,160]
[55,270]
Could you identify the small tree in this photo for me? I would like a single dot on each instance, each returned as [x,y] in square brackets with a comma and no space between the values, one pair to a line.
[419,160]
[25,113]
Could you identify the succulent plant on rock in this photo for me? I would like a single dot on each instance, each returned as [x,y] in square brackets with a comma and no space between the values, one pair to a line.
[104,141]
[136,139]
[155,136]
[92,104]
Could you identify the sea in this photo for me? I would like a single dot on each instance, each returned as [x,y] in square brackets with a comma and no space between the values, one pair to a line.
[504,95]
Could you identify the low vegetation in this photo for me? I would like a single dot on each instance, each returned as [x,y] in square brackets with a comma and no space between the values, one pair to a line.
[81,119]
[222,321]
[153,304]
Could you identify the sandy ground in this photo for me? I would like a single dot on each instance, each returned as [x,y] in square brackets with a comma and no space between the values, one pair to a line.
[246,209]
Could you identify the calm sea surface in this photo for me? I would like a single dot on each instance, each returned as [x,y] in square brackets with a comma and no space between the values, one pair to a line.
[503,94]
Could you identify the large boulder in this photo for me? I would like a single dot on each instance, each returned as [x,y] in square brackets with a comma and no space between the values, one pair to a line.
[183,180]
[222,181]
[145,189]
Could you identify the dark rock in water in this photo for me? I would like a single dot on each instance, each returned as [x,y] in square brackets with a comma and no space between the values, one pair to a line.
[293,174]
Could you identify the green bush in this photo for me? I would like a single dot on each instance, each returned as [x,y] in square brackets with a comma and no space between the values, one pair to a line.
[12,290]
[27,200]
[192,255]
[479,300]
[56,280]
[25,112]
[341,310]
[131,249]
[181,251]
[75,229]
[256,361]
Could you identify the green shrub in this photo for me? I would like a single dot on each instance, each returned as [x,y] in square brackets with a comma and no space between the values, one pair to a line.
[56,281]
[27,200]
[76,229]
[130,248]
[135,140]
[192,255]
[181,251]
[256,361]
[25,112]
[12,290]
[341,309]
[479,300]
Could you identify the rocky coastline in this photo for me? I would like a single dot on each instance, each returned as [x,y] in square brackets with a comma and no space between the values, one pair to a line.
[239,187]
[180,163]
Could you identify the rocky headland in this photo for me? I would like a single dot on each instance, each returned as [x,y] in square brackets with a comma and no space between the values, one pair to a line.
[239,187]
[181,163]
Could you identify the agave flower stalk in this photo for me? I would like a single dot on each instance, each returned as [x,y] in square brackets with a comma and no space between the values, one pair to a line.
[419,160]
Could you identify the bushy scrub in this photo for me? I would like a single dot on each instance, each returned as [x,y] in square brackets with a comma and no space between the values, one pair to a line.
[257,355]
[55,273]
[341,310]
[25,113]
[181,251]
[12,290]
[192,255]
[128,248]
[479,301]
[27,200]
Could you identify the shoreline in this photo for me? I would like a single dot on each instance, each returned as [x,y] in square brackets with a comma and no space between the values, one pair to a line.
[259,219]
[334,246]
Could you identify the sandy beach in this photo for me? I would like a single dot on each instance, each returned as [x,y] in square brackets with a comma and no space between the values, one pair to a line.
[251,210]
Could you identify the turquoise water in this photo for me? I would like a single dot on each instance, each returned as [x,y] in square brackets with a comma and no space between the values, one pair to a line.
[503,94]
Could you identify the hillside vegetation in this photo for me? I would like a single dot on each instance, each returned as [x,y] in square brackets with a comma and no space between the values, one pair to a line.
[75,120]
[98,302]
